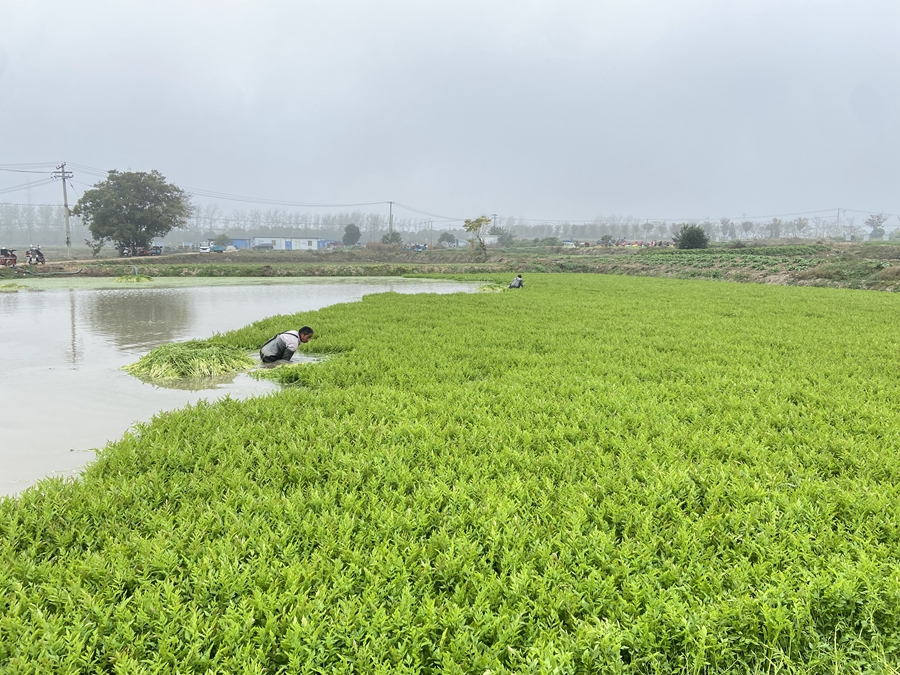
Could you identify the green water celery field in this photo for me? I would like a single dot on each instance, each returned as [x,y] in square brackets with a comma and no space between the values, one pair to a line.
[595,474]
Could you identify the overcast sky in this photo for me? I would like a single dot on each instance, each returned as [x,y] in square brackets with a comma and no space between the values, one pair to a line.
[661,109]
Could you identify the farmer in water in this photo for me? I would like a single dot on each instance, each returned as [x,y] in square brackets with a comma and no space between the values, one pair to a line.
[283,345]
[517,282]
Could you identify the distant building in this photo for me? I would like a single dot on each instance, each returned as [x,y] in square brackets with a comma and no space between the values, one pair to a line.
[289,243]
[242,244]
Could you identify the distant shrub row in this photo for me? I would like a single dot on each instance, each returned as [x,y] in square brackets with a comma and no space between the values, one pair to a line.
[776,251]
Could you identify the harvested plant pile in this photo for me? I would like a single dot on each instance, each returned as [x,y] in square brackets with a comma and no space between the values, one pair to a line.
[190,360]
[596,474]
[492,288]
[134,278]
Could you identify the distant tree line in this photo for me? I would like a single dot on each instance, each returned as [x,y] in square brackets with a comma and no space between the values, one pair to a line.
[37,224]
[724,229]
[44,224]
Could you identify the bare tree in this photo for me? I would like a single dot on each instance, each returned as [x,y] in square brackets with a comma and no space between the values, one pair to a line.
[726,227]
[818,226]
[850,229]
[799,224]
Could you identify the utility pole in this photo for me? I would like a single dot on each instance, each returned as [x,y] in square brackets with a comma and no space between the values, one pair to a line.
[65,175]
[493,220]
[839,221]
[430,234]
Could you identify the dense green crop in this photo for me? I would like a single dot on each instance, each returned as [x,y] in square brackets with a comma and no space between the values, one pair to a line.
[594,474]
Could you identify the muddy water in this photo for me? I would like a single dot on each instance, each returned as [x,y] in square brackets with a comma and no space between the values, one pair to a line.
[63,343]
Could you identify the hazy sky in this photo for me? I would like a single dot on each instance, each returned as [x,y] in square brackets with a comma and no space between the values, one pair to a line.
[668,109]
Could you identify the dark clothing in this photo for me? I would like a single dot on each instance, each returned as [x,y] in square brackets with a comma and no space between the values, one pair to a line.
[280,347]
[516,283]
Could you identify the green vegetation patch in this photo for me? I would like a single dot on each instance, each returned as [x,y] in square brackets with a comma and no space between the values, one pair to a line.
[134,278]
[606,474]
[192,359]
[773,251]
[11,288]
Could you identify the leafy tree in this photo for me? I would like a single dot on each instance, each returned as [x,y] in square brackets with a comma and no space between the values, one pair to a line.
[477,228]
[691,236]
[222,240]
[130,208]
[447,237]
[504,236]
[747,226]
[351,235]
[876,222]
[507,238]
[95,247]
[392,238]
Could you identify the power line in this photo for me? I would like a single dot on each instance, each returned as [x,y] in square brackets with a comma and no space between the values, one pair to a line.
[24,171]
[26,186]
[212,194]
[426,213]
[30,165]
[274,202]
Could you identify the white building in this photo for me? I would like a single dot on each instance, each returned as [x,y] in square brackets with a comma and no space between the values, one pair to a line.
[288,243]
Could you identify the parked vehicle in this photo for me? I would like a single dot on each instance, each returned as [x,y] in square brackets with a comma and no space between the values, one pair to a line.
[203,247]
[34,256]
[217,249]
[156,250]
[8,257]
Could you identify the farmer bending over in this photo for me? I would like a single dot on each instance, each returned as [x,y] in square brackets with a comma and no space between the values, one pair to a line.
[517,282]
[283,345]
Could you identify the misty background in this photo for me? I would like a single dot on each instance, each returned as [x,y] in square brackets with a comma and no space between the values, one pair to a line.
[554,116]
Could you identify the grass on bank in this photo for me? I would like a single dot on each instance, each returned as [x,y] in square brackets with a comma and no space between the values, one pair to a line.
[590,475]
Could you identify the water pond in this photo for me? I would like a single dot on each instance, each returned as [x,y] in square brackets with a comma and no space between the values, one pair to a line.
[64,341]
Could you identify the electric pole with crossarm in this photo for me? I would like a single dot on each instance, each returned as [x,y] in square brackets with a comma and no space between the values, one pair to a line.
[65,175]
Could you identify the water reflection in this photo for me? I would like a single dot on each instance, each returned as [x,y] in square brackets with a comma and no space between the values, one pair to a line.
[134,319]
[74,343]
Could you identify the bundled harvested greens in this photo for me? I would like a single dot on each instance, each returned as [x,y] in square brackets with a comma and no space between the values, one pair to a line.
[196,358]
[134,278]
[11,288]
